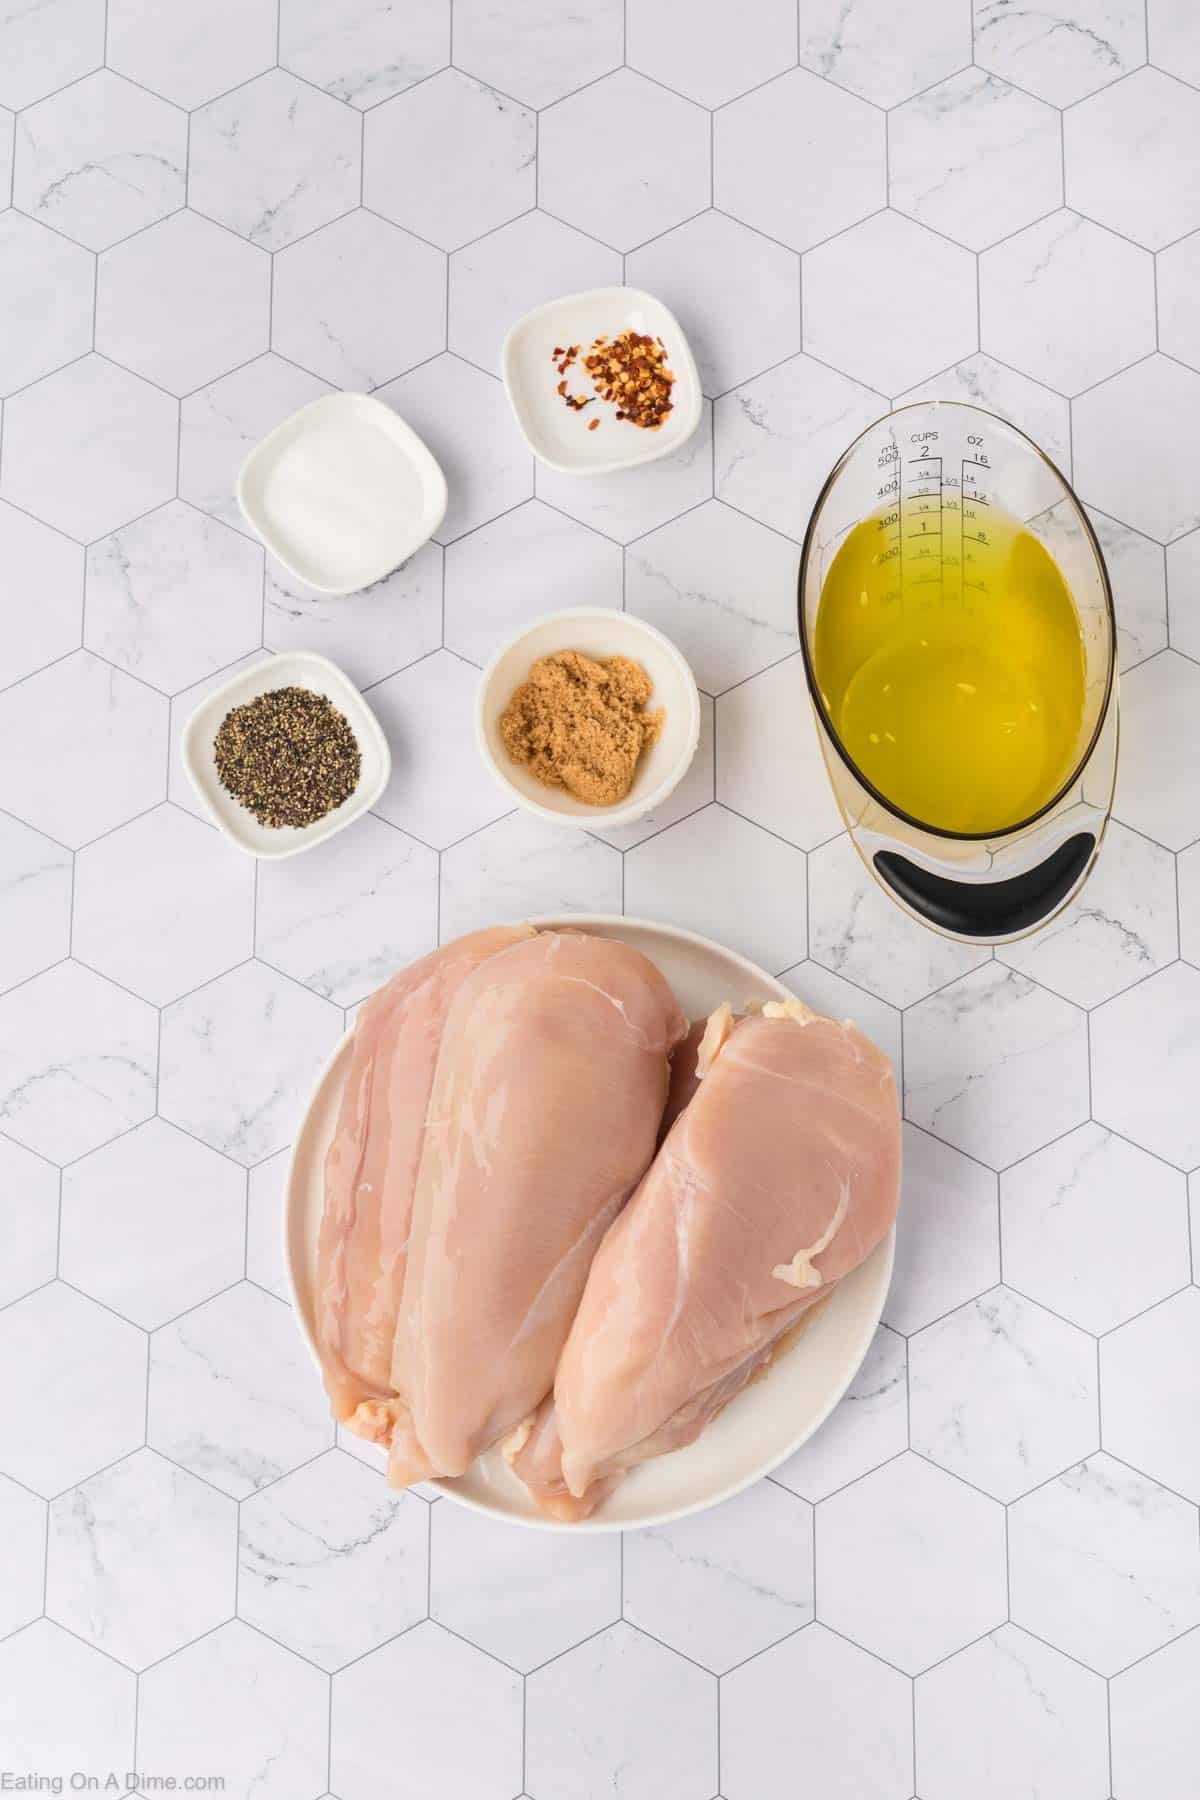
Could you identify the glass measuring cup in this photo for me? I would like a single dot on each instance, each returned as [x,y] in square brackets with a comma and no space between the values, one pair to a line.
[933,474]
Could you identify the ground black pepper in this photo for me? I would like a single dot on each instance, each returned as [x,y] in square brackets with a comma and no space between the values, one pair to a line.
[289,756]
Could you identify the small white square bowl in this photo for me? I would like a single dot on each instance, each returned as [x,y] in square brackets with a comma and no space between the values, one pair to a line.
[558,435]
[342,492]
[293,668]
[597,631]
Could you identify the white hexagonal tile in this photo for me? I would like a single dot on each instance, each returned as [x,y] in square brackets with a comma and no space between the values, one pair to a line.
[162,905]
[736,294]
[1066,1222]
[513,269]
[1160,734]
[723,589]
[183,302]
[1183,589]
[193,49]
[521,865]
[48,47]
[180,1203]
[173,597]
[1010,1716]
[975,158]
[223,422]
[995,1065]
[32,553]
[233,1393]
[1155,1725]
[95,1731]
[634,501]
[370,634]
[87,1405]
[947,1233]
[1146,1064]
[238,1058]
[359,301]
[332,1562]
[439,789]
[857,931]
[1132,158]
[884,50]
[778,437]
[140,1559]
[35,902]
[868,1427]
[569,1586]
[274,159]
[981,381]
[725,1583]
[264,1225]
[627,185]
[538,50]
[1003,1393]
[1061,51]
[1133,455]
[46,293]
[476,150]
[771,167]
[353,913]
[77,1059]
[180,791]
[885,332]
[1177,272]
[828,993]
[501,577]
[1137,573]
[1121,927]
[22,1556]
[1067,302]
[463,416]
[29,1208]
[769,767]
[698,873]
[621,1714]
[100,160]
[905,1516]
[1104,1564]
[7,132]
[692,50]
[457,1713]
[361,51]
[89,448]
[239,1709]
[1155,1354]
[822,1705]
[1189,904]
[693,792]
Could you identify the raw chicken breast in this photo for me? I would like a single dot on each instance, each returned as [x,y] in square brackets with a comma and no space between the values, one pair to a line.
[778,1178]
[371,1172]
[544,1113]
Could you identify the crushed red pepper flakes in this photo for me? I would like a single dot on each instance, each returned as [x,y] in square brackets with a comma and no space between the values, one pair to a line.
[631,370]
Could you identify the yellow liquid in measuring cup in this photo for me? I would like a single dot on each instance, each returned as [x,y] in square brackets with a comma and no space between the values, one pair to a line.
[955,684]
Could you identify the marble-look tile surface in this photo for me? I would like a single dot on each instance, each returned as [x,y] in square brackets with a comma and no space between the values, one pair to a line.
[215,211]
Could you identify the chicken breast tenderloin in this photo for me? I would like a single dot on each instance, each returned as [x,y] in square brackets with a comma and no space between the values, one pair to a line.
[371,1172]
[543,1117]
[778,1178]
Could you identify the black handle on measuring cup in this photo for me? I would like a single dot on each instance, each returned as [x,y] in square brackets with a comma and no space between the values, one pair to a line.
[988,909]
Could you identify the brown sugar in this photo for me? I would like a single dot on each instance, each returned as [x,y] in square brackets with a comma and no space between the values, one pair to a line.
[580,722]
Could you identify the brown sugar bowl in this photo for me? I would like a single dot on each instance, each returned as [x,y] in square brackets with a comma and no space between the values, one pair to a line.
[599,632]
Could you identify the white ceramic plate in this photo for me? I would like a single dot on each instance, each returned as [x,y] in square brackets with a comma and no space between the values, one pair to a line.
[560,437]
[291,668]
[597,631]
[759,1429]
[342,492]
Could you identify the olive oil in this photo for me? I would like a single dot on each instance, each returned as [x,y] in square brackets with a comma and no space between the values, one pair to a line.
[955,680]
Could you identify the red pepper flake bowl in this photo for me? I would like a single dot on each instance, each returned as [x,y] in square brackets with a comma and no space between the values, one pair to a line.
[560,404]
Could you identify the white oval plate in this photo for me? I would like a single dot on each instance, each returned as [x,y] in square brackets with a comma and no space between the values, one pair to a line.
[758,1430]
